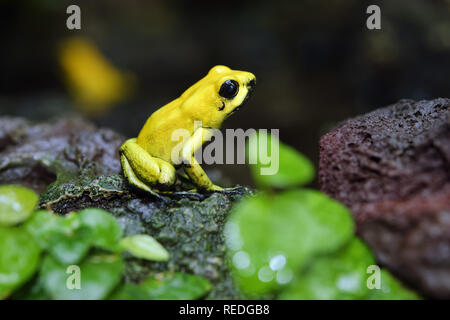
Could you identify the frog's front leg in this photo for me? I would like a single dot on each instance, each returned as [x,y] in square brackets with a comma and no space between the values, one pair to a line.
[142,170]
[191,165]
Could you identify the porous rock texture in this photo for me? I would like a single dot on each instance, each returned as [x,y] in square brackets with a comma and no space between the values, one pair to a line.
[391,167]
[75,165]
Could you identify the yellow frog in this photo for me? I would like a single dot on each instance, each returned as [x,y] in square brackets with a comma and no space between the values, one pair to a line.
[148,161]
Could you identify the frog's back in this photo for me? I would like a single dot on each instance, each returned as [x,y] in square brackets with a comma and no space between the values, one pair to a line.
[156,135]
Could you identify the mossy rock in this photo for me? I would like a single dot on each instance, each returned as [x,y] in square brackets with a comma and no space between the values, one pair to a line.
[75,165]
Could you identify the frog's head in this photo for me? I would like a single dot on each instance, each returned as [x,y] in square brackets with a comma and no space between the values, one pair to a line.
[218,95]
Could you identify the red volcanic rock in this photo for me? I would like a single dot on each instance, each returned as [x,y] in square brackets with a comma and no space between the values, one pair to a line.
[391,167]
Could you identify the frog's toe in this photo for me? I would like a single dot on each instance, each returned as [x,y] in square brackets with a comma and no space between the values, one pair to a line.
[232,190]
[215,188]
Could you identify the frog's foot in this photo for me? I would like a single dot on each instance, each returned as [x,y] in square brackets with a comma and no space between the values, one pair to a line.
[144,171]
[134,180]
[150,170]
[232,190]
[199,194]
[191,194]
[216,188]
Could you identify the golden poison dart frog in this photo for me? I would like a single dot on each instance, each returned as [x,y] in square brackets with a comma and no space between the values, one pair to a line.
[149,161]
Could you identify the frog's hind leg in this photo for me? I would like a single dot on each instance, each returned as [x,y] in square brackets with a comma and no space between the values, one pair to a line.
[131,177]
[142,170]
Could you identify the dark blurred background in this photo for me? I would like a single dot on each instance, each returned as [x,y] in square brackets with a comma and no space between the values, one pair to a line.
[316,62]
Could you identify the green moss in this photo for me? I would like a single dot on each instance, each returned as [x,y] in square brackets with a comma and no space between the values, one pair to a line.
[65,194]
[189,228]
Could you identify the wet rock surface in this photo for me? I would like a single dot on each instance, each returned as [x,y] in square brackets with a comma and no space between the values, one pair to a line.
[75,165]
[392,168]
[34,154]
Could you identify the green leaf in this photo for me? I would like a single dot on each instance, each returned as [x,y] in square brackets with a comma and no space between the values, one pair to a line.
[177,286]
[106,231]
[41,226]
[145,247]
[99,275]
[19,257]
[70,248]
[16,204]
[168,286]
[31,290]
[130,291]
[271,238]
[68,223]
[340,276]
[391,289]
[69,238]
[63,237]
[289,167]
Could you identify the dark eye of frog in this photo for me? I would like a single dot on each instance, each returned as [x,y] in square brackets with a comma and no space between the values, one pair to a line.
[229,89]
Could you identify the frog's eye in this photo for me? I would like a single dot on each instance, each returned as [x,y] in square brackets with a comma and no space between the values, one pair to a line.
[229,89]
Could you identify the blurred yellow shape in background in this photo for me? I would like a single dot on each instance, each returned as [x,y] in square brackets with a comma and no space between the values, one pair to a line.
[94,82]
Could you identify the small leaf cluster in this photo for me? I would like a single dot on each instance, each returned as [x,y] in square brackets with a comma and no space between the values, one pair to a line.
[298,243]
[38,250]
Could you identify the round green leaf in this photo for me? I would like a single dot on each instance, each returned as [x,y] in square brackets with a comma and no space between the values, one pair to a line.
[31,290]
[340,276]
[286,167]
[106,231]
[177,286]
[62,236]
[69,238]
[145,247]
[391,289]
[19,257]
[68,223]
[168,286]
[130,291]
[16,204]
[41,226]
[271,238]
[99,275]
[70,248]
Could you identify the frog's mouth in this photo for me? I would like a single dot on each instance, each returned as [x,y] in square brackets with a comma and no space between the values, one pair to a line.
[250,87]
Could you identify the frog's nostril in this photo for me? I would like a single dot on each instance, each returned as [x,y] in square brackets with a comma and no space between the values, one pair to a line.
[252,83]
